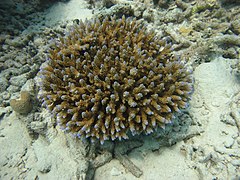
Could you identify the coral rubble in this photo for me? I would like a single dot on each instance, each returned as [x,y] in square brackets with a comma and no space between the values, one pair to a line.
[238,68]
[108,77]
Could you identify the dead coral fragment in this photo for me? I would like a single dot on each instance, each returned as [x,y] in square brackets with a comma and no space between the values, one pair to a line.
[108,77]
[22,105]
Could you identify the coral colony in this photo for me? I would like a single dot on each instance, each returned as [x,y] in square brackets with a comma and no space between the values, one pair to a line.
[107,78]
[23,105]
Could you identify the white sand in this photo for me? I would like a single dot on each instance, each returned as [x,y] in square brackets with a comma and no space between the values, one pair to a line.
[62,12]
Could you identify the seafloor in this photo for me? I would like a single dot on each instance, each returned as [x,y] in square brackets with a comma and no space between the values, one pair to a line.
[203,144]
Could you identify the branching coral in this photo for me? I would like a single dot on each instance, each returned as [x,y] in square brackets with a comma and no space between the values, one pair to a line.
[108,77]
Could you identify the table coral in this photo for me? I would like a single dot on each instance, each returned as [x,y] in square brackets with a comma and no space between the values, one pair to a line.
[22,105]
[106,78]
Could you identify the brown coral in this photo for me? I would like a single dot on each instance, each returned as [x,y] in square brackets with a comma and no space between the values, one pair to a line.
[22,105]
[107,77]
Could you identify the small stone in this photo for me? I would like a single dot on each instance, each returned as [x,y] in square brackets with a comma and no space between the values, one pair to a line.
[38,41]
[16,42]
[115,172]
[138,10]
[29,86]
[148,15]
[19,80]
[51,134]
[235,135]
[45,168]
[229,143]
[2,38]
[198,101]
[4,161]
[227,120]
[235,162]
[4,111]
[102,159]
[2,66]
[5,47]
[25,68]
[215,104]
[204,112]
[238,140]
[176,128]
[231,53]
[236,26]
[38,127]
[3,84]
[21,59]
[13,89]
[220,150]
[231,169]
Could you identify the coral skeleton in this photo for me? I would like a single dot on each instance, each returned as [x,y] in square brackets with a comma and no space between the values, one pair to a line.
[107,78]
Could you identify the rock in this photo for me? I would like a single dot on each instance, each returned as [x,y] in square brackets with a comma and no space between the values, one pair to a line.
[38,127]
[231,170]
[102,159]
[227,119]
[25,68]
[2,66]
[4,110]
[236,26]
[5,47]
[45,167]
[238,140]
[19,80]
[16,42]
[148,15]
[3,84]
[138,10]
[29,86]
[2,38]
[20,58]
[51,134]
[38,41]
[5,95]
[4,161]
[229,143]
[235,162]
[13,89]
[115,172]
[226,39]
[12,63]
[8,73]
